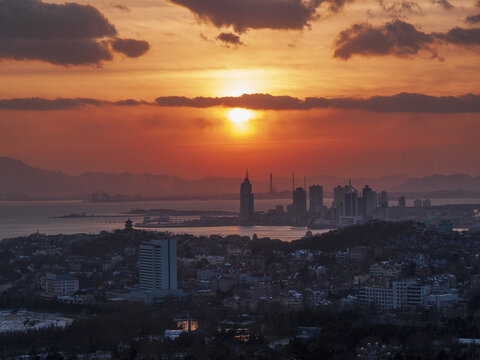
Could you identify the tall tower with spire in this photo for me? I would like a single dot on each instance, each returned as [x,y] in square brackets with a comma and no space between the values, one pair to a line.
[246,201]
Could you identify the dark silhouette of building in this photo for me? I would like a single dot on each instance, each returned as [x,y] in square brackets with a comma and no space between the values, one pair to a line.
[300,204]
[383,199]
[338,193]
[402,202]
[246,201]
[426,203]
[361,207]
[369,203]
[350,200]
[316,199]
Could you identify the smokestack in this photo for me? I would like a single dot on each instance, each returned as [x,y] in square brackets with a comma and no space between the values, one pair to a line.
[293,181]
[271,183]
[304,183]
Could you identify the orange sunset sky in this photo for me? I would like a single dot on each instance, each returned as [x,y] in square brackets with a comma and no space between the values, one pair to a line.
[359,87]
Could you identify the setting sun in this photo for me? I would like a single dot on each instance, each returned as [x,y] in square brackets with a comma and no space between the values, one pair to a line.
[239,116]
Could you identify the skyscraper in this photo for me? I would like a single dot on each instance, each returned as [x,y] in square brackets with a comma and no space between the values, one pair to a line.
[402,202]
[316,199]
[300,203]
[383,199]
[246,201]
[350,201]
[158,266]
[338,192]
[369,202]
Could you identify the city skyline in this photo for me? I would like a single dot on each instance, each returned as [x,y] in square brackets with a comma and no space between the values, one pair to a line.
[239,179]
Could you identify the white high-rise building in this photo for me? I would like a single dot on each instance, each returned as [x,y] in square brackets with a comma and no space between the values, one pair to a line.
[158,266]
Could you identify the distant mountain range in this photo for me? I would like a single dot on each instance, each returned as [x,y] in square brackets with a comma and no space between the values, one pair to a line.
[19,181]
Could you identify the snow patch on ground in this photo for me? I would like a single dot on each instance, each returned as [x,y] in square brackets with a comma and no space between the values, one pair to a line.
[23,320]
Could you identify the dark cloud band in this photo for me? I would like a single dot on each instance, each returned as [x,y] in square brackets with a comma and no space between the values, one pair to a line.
[403,102]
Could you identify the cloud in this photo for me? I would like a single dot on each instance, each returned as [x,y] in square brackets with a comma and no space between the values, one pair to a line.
[251,101]
[130,47]
[259,14]
[393,38]
[42,104]
[473,19]
[229,38]
[401,8]
[34,19]
[59,52]
[445,4]
[462,37]
[120,7]
[399,38]
[62,34]
[404,102]
[400,103]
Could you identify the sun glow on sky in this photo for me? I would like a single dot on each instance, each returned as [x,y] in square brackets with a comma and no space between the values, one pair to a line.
[240,118]
[280,60]
[241,81]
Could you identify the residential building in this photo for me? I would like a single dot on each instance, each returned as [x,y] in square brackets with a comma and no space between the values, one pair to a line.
[401,295]
[158,266]
[60,284]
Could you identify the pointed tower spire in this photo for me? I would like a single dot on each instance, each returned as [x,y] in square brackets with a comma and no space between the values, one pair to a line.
[246,174]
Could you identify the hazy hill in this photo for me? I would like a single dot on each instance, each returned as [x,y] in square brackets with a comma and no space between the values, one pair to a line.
[21,181]
[441,182]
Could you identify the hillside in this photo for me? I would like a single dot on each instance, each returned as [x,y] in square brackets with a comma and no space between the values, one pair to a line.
[19,181]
